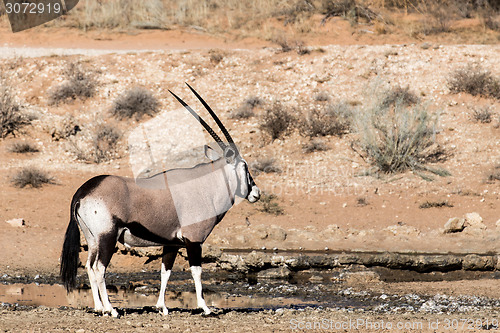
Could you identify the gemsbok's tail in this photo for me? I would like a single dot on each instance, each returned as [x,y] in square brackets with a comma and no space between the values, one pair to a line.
[70,251]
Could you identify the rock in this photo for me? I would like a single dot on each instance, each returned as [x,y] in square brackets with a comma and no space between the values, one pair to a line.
[475,262]
[276,233]
[146,289]
[455,224]
[474,220]
[255,260]
[498,224]
[282,272]
[19,222]
[316,279]
[361,277]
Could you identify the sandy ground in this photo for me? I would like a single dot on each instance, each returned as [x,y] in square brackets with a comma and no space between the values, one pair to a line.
[315,190]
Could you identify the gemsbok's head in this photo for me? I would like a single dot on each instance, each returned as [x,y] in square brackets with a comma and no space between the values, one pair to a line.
[246,187]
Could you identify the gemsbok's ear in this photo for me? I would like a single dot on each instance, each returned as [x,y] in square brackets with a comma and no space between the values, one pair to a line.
[211,153]
[229,155]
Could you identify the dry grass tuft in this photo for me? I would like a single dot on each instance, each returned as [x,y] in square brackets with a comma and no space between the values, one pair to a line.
[475,80]
[80,83]
[31,176]
[277,121]
[135,102]
[265,165]
[22,147]
[435,204]
[269,205]
[11,117]
[102,145]
[482,115]
[398,138]
[334,119]
[315,145]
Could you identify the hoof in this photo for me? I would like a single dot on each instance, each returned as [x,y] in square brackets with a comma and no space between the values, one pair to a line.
[163,311]
[113,313]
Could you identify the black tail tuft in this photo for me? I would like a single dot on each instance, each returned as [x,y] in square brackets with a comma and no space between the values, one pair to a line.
[70,252]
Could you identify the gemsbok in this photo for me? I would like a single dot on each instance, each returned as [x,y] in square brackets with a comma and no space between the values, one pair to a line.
[181,213]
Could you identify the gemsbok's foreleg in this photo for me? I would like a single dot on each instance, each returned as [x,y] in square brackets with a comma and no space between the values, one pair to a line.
[167,263]
[194,258]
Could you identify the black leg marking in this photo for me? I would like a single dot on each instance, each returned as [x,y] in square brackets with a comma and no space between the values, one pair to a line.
[194,253]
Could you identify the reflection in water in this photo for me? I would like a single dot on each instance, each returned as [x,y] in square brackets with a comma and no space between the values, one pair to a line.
[55,296]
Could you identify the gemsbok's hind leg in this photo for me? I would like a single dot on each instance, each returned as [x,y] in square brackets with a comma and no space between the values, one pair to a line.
[93,280]
[194,258]
[106,249]
[167,263]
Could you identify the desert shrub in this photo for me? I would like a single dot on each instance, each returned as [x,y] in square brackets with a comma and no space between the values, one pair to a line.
[246,110]
[399,94]
[435,204]
[266,165]
[284,43]
[269,205]
[135,102]
[102,145]
[398,138]
[11,116]
[494,175]
[361,202]
[334,119]
[216,56]
[79,82]
[349,9]
[475,80]
[254,101]
[277,121]
[322,97]
[315,145]
[22,147]
[150,14]
[482,115]
[438,17]
[31,176]
[63,128]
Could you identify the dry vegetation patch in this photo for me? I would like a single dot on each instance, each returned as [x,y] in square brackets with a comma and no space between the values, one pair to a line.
[475,80]
[80,82]
[31,176]
[135,102]
[11,117]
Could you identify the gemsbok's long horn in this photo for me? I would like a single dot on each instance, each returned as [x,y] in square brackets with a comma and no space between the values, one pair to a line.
[202,122]
[212,113]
